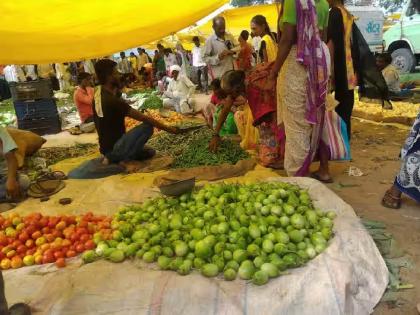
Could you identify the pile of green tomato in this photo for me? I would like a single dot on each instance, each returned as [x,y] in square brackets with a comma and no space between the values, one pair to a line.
[254,231]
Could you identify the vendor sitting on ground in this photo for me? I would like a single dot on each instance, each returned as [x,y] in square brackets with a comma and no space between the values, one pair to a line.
[392,77]
[83,99]
[110,111]
[180,91]
[13,185]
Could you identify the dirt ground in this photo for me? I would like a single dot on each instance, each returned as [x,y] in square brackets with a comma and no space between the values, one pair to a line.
[375,150]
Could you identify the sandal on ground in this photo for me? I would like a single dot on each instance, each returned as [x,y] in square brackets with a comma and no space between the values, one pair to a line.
[45,187]
[75,131]
[53,175]
[318,178]
[390,201]
[20,309]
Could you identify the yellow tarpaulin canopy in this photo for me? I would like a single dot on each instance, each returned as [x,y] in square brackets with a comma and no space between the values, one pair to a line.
[239,19]
[172,40]
[45,31]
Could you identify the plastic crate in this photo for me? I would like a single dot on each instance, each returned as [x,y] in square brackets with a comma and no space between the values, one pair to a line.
[35,109]
[41,126]
[31,90]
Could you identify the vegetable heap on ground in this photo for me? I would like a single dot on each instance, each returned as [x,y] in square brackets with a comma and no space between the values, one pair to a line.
[38,239]
[191,149]
[146,99]
[254,231]
[168,117]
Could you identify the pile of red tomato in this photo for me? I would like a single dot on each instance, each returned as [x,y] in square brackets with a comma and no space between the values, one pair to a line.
[38,239]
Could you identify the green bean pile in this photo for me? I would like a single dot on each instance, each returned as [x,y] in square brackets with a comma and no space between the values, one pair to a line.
[191,149]
[152,102]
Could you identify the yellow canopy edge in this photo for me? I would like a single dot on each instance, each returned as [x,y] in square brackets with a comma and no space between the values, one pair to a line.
[239,19]
[45,31]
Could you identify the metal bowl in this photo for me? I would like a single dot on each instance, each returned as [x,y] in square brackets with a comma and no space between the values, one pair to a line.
[177,188]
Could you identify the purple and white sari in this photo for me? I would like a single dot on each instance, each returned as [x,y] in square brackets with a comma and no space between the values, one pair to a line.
[408,179]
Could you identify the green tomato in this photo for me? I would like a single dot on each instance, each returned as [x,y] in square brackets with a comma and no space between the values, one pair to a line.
[253,250]
[227,255]
[149,256]
[258,261]
[229,274]
[267,246]
[296,236]
[210,270]
[239,255]
[164,262]
[271,270]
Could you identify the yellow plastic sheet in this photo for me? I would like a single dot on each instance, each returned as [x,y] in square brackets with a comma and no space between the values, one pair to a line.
[239,19]
[45,31]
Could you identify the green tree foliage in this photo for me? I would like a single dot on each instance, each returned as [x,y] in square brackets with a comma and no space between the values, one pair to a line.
[391,5]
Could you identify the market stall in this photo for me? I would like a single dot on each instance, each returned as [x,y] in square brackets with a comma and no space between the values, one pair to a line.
[348,277]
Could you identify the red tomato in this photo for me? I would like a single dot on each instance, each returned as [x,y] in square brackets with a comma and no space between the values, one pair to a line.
[23,237]
[37,216]
[56,233]
[21,249]
[43,222]
[46,230]
[44,247]
[89,244]
[83,224]
[7,223]
[50,238]
[52,222]
[66,243]
[49,252]
[81,230]
[64,250]
[30,243]
[70,253]
[31,251]
[91,228]
[71,220]
[61,225]
[3,239]
[74,237]
[85,237]
[48,258]
[30,229]
[60,263]
[36,234]
[16,243]
[80,248]
[58,254]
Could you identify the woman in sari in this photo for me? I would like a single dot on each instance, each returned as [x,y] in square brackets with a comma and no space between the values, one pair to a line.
[262,98]
[244,60]
[408,179]
[302,79]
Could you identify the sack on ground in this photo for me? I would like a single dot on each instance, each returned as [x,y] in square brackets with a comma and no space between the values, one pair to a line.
[27,142]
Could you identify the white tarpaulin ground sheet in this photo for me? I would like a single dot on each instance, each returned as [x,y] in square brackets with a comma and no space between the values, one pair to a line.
[348,278]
